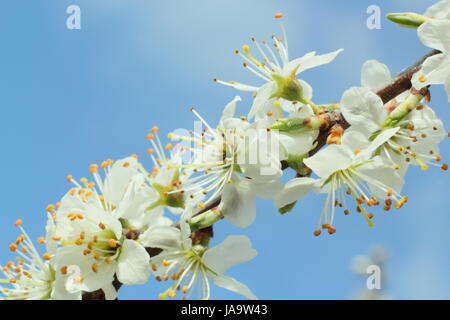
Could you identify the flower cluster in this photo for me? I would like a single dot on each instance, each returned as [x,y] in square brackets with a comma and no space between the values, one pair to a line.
[127,223]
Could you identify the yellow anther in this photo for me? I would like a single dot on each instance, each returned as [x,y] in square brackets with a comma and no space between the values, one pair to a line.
[269,113]
[72,191]
[104,164]
[93,168]
[246,49]
[166,263]
[162,296]
[201,205]
[150,136]
[169,146]
[12,280]
[154,268]
[278,15]
[166,277]
[112,243]
[41,240]
[357,151]
[13,247]
[172,293]
[185,289]
[64,270]
[79,242]
[78,279]
[134,156]
[94,267]
[108,260]
[155,129]
[46,256]
[126,165]
[50,208]
[422,78]
[150,151]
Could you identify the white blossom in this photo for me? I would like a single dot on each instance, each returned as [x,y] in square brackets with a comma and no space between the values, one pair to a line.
[192,266]
[436,69]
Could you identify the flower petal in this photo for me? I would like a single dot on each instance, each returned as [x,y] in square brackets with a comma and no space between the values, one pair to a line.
[163,237]
[234,285]
[375,75]
[435,70]
[230,109]
[436,34]
[118,178]
[133,266]
[440,10]
[363,108]
[233,250]
[330,160]
[262,98]
[309,61]
[238,203]
[294,190]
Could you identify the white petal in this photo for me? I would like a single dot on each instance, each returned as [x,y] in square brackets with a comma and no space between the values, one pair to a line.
[298,143]
[234,285]
[266,189]
[447,88]
[384,136]
[330,160]
[262,98]
[118,179]
[440,10]
[230,109]
[355,139]
[137,198]
[294,190]
[133,266]
[436,34]
[238,204]
[59,289]
[161,237]
[435,70]
[381,171]
[110,292]
[310,61]
[233,250]
[73,256]
[375,75]
[363,108]
[50,229]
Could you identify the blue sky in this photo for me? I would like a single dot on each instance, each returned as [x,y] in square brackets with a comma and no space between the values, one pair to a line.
[70,98]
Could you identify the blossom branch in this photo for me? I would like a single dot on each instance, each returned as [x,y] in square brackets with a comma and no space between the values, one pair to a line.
[331,119]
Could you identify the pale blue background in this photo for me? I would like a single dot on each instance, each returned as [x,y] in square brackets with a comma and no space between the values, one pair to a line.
[70,98]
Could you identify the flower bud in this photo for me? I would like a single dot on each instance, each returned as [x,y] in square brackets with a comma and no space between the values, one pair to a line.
[407,19]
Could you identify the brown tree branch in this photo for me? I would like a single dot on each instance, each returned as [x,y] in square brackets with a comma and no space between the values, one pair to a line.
[400,84]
